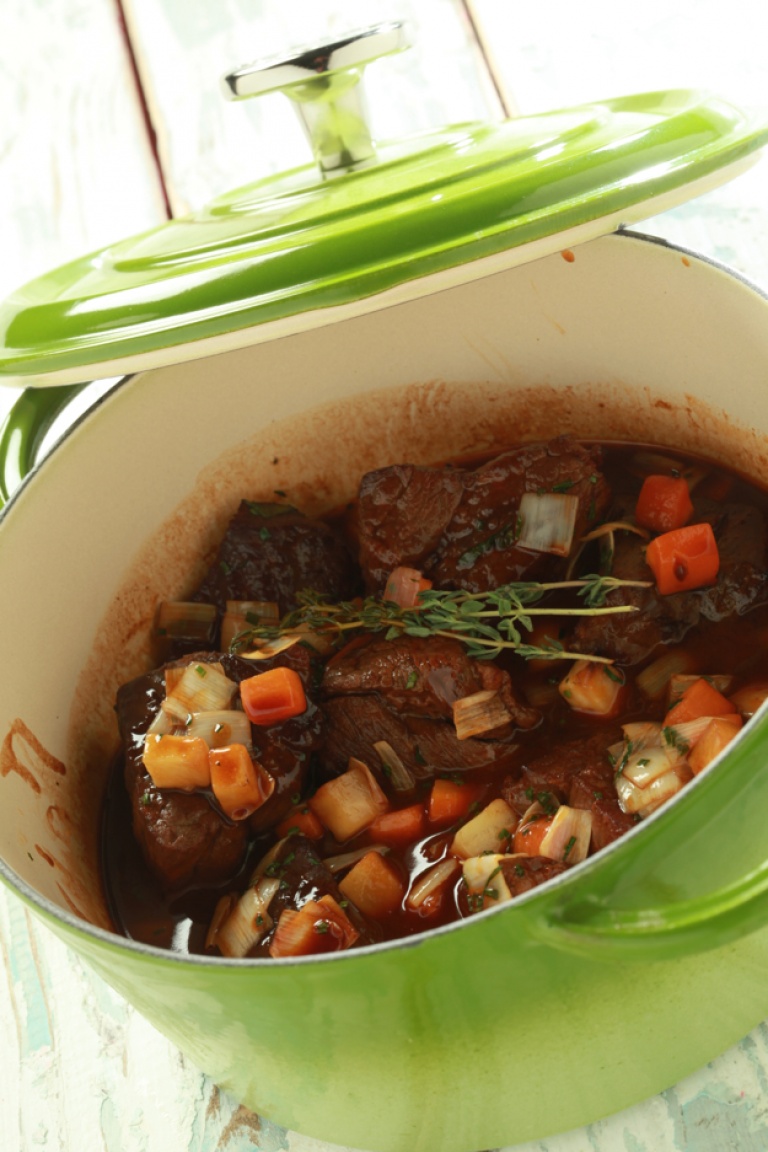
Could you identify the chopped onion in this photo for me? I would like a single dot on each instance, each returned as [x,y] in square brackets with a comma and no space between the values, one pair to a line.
[162,724]
[478,713]
[430,882]
[644,801]
[241,615]
[346,859]
[645,765]
[228,726]
[484,877]
[568,837]
[188,621]
[248,921]
[548,520]
[266,649]
[199,688]
[396,772]
[654,680]
[679,739]
[404,586]
[491,829]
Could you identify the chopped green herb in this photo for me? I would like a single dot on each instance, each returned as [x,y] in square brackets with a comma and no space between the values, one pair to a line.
[413,679]
[322,926]
[569,847]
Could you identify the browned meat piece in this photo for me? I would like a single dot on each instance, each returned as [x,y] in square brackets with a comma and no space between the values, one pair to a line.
[741,584]
[460,526]
[356,723]
[270,552]
[522,873]
[551,777]
[422,677]
[184,837]
[400,515]
[609,822]
[478,550]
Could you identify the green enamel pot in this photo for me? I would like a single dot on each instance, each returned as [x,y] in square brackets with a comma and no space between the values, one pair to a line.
[596,990]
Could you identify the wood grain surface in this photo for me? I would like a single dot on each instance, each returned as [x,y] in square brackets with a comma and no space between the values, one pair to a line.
[86,156]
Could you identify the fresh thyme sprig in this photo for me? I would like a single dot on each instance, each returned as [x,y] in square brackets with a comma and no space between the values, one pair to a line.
[460,615]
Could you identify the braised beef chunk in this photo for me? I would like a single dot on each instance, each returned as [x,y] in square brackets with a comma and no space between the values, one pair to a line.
[460,526]
[270,552]
[522,873]
[422,677]
[184,836]
[400,515]
[426,747]
[555,777]
[742,583]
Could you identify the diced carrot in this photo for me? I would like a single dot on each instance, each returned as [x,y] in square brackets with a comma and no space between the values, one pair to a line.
[273,696]
[450,801]
[750,697]
[177,761]
[301,819]
[593,688]
[684,559]
[528,837]
[701,699]
[716,736]
[404,585]
[401,827]
[664,503]
[318,926]
[239,784]
[373,885]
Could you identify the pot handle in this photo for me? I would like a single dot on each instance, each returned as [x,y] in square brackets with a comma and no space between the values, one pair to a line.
[24,429]
[668,930]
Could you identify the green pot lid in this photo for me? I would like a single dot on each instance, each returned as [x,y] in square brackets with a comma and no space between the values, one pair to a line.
[306,248]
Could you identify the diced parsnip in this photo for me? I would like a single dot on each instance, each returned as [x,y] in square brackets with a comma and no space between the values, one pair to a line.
[716,736]
[218,729]
[547,521]
[244,614]
[660,674]
[592,688]
[396,772]
[198,688]
[485,880]
[644,801]
[491,829]
[350,802]
[748,699]
[188,621]
[177,762]
[568,837]
[239,784]
[426,890]
[318,926]
[247,922]
[681,682]
[373,885]
[479,713]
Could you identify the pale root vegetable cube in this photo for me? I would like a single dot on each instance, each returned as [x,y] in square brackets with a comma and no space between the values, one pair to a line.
[373,885]
[716,736]
[177,762]
[485,879]
[350,802]
[239,784]
[592,688]
[491,830]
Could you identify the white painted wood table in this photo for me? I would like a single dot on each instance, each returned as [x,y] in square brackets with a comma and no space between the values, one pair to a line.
[104,134]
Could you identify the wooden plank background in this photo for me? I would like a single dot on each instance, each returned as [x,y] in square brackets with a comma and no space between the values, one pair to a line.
[102,136]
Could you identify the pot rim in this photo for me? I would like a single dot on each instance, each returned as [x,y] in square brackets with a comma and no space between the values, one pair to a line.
[550,889]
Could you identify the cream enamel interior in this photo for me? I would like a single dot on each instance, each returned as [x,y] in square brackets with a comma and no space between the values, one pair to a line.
[619,339]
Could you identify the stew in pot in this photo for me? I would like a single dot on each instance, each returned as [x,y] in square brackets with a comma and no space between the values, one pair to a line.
[454,690]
